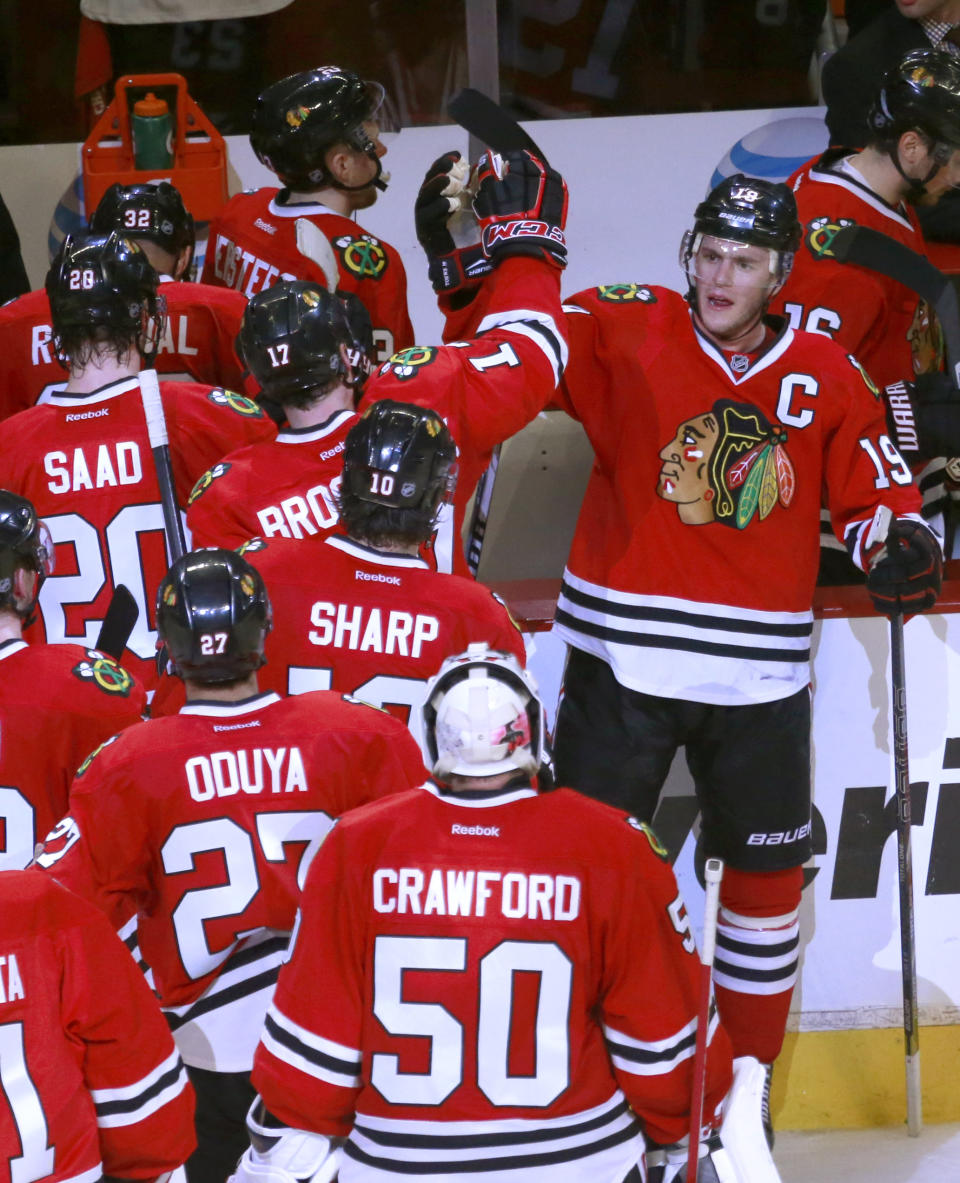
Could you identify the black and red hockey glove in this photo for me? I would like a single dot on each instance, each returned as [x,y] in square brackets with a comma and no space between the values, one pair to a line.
[905,571]
[522,206]
[447,227]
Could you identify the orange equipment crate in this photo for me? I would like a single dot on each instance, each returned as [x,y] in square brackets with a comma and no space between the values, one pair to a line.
[199,168]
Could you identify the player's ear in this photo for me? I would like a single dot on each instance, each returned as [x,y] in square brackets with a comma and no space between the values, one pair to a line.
[338,160]
[24,585]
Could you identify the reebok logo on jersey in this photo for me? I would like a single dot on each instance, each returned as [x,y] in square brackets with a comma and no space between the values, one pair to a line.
[331,452]
[235,726]
[265,226]
[87,415]
[376,577]
[476,831]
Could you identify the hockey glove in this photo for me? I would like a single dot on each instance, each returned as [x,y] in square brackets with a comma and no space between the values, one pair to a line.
[924,416]
[447,227]
[522,206]
[904,570]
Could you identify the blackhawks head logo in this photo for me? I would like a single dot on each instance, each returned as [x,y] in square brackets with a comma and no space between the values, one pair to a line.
[625,293]
[106,673]
[236,402]
[207,480]
[409,362]
[726,465]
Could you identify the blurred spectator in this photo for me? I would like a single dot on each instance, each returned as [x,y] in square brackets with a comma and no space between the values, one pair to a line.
[13,274]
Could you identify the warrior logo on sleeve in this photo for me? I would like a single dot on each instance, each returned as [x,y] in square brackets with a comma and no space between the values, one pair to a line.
[726,465]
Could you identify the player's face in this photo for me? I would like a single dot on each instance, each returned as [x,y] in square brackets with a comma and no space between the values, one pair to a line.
[734,283]
[683,474]
[948,177]
[356,168]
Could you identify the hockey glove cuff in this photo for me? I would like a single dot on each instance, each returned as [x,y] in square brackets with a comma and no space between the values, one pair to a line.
[924,417]
[522,206]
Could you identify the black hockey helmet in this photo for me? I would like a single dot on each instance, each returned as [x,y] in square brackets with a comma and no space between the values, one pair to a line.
[101,279]
[362,351]
[400,455]
[290,338]
[298,118]
[154,211]
[24,542]
[747,210]
[921,93]
[213,615]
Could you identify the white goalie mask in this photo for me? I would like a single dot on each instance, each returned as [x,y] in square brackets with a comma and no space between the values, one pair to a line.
[482,716]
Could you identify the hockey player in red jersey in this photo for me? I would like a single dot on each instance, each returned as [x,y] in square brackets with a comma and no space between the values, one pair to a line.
[360,611]
[319,131]
[913,152]
[309,356]
[57,702]
[196,342]
[204,823]
[84,458]
[686,601]
[93,1087]
[506,336]
[489,981]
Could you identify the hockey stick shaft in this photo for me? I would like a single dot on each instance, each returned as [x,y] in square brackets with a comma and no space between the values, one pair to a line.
[908,946]
[875,251]
[118,623]
[160,448]
[713,874]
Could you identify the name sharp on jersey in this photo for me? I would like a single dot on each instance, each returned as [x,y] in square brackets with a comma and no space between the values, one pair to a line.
[346,626]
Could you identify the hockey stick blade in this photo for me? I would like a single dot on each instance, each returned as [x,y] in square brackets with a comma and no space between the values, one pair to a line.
[487,121]
[314,245]
[118,624]
[869,248]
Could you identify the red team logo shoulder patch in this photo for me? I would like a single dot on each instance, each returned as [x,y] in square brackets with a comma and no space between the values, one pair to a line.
[93,755]
[820,235]
[625,293]
[409,362]
[655,844]
[207,480]
[364,256]
[105,673]
[251,546]
[236,402]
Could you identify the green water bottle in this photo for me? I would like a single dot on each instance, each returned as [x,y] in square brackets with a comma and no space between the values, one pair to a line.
[152,133]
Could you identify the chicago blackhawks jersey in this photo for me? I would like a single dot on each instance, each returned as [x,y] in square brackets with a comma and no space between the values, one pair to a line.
[85,463]
[890,330]
[695,555]
[92,1082]
[284,488]
[197,344]
[211,854]
[494,985]
[486,388]
[253,245]
[57,703]
[365,622]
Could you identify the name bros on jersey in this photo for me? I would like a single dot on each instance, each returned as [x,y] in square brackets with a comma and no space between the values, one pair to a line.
[515,894]
[253,771]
